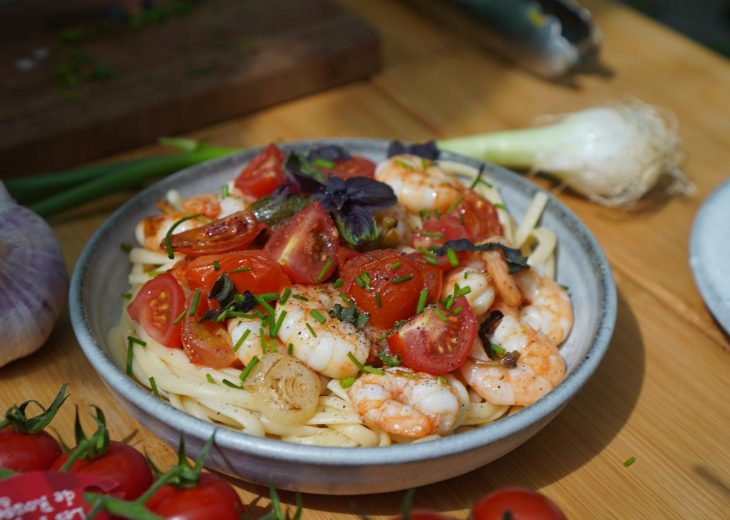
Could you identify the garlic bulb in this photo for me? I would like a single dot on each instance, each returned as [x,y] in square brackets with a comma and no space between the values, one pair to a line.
[33,280]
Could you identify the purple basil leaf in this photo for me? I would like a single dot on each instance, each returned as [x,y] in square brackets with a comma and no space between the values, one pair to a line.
[427,150]
[303,174]
[328,152]
[334,195]
[356,224]
[369,193]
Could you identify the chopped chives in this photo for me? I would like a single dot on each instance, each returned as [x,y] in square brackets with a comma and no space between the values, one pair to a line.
[378,301]
[425,163]
[300,297]
[346,298]
[262,337]
[402,279]
[239,314]
[168,235]
[225,191]
[319,161]
[125,247]
[311,330]
[423,213]
[455,205]
[154,273]
[258,313]
[216,265]
[442,380]
[277,325]
[130,357]
[347,382]
[231,384]
[355,361]
[457,310]
[564,287]
[501,206]
[498,349]
[338,283]
[396,265]
[423,295]
[241,340]
[359,281]
[373,370]
[285,296]
[461,291]
[269,296]
[448,302]
[248,368]
[431,260]
[153,386]
[323,273]
[196,300]
[478,178]
[432,234]
[290,349]
[222,316]
[440,315]
[265,304]
[241,270]
[403,164]
[628,462]
[209,378]
[365,278]
[180,317]
[317,316]
[136,341]
[127,295]
[451,255]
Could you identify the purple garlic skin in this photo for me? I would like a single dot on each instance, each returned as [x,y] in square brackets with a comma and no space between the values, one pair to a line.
[33,280]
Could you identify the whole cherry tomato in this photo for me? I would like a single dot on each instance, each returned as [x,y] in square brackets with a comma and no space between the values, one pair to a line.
[518,504]
[120,463]
[157,304]
[479,217]
[212,497]
[263,174]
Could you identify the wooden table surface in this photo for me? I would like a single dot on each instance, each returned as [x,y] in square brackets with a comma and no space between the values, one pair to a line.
[661,393]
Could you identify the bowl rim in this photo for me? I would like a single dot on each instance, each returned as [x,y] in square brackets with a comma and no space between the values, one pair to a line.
[275,449]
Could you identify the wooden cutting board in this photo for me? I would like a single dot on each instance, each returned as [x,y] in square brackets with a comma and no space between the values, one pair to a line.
[202,64]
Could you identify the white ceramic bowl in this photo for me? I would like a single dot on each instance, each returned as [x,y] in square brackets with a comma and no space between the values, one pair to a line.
[100,277]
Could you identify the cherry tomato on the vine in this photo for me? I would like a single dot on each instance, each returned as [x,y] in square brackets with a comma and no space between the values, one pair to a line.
[211,497]
[27,451]
[518,504]
[157,304]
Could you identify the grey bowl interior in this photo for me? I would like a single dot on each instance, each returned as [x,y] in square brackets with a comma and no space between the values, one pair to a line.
[100,277]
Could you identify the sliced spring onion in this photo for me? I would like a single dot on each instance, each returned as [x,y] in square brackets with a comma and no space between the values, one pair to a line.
[311,330]
[318,316]
[196,300]
[153,386]
[323,273]
[402,279]
[168,235]
[248,368]
[422,296]
[453,260]
[285,296]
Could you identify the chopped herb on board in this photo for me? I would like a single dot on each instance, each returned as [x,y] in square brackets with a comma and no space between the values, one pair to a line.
[628,462]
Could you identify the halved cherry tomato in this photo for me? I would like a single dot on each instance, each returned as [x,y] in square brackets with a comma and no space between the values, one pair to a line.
[251,270]
[305,246]
[516,503]
[263,174]
[345,254]
[211,497]
[436,231]
[355,166]
[433,276]
[479,217]
[120,463]
[436,340]
[27,451]
[382,268]
[234,232]
[156,306]
[206,342]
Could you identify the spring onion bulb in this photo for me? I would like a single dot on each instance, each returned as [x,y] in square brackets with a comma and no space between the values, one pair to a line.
[33,280]
[612,154]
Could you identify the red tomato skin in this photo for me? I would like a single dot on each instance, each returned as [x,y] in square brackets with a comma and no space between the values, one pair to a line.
[27,451]
[419,342]
[304,244]
[206,342]
[212,498]
[264,276]
[356,166]
[397,301]
[122,464]
[232,233]
[521,503]
[433,276]
[263,174]
[479,217]
[156,306]
[450,228]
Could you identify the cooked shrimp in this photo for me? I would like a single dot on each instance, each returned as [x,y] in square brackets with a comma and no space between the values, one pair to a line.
[231,205]
[406,403]
[501,278]
[472,273]
[418,183]
[207,204]
[324,347]
[539,367]
[251,344]
[548,308]
[151,231]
